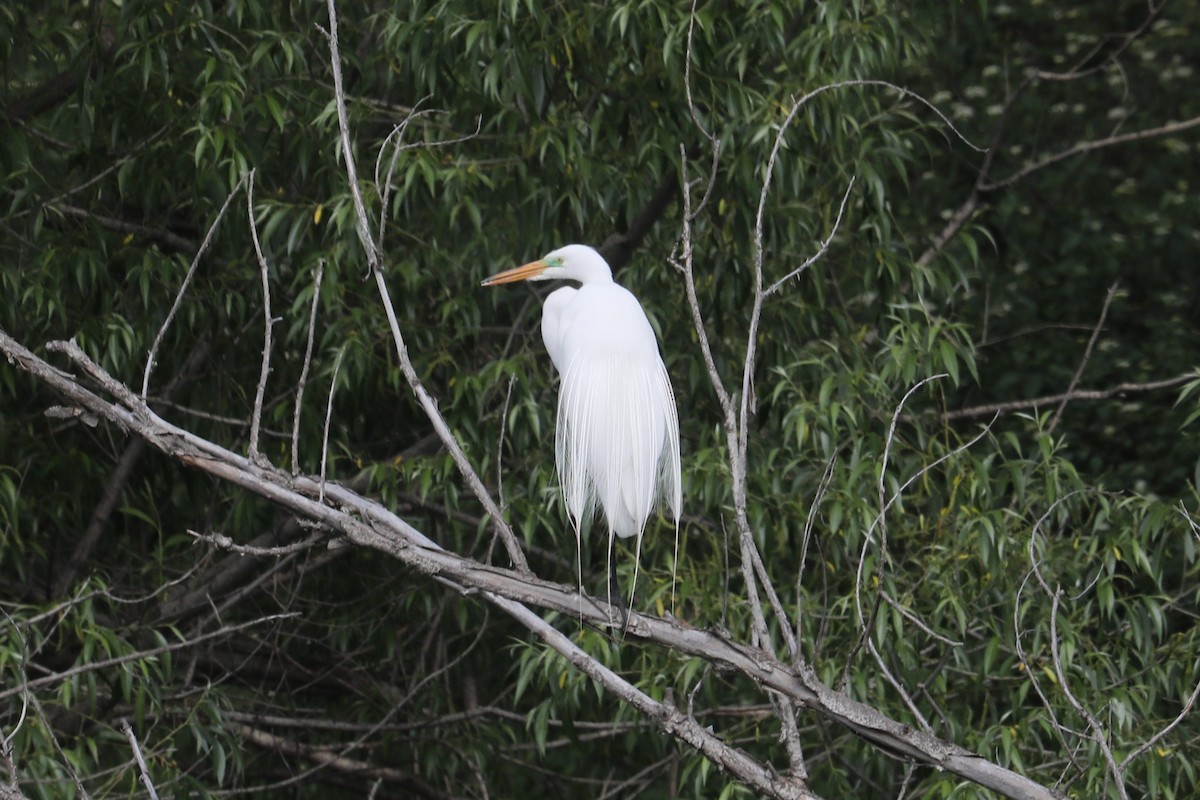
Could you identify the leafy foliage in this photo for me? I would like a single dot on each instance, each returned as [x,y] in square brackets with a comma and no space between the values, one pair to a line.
[1010,578]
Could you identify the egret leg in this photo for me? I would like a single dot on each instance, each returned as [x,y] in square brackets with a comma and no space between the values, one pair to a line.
[615,598]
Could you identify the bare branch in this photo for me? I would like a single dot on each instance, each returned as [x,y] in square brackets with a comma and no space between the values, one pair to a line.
[1087,355]
[308,348]
[225,543]
[268,323]
[141,762]
[1086,147]
[1112,59]
[160,235]
[187,280]
[368,524]
[948,232]
[1099,735]
[337,366]
[132,152]
[67,674]
[326,758]
[511,543]
[992,409]
[815,257]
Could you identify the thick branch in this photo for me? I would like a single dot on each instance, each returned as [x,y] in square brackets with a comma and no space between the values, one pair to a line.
[369,524]
[115,486]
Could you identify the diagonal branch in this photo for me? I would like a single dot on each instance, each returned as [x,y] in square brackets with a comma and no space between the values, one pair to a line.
[119,477]
[374,262]
[1083,362]
[368,524]
[1086,147]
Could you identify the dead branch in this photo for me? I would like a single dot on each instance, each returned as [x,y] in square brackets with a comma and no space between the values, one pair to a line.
[368,524]
[268,322]
[1089,146]
[1083,362]
[374,263]
[141,761]
[308,348]
[119,477]
[992,409]
[187,279]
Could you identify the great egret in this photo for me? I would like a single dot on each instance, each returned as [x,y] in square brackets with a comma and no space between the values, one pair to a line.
[616,440]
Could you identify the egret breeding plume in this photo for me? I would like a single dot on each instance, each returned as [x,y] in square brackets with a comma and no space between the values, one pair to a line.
[616,441]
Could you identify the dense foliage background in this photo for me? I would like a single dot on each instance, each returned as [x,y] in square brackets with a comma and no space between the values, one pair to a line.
[1061,544]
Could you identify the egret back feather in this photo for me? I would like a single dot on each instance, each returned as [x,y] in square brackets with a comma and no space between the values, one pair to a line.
[616,441]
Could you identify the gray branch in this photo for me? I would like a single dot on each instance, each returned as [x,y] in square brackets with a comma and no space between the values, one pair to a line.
[368,524]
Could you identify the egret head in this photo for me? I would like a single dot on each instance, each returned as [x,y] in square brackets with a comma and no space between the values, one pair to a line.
[575,262]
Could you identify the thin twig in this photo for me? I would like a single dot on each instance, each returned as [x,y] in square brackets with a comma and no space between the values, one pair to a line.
[1188,704]
[337,365]
[1083,362]
[1088,146]
[1099,735]
[324,758]
[993,409]
[81,669]
[268,323]
[225,543]
[685,265]
[102,174]
[714,142]
[920,623]
[809,523]
[815,257]
[6,740]
[48,727]
[739,434]
[1029,668]
[308,349]
[880,522]
[141,762]
[187,279]
[500,444]
[1076,72]
[160,235]
[383,185]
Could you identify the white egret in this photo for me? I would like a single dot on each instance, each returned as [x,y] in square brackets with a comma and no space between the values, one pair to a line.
[616,440]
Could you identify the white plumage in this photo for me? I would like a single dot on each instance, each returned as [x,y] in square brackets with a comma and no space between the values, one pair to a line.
[616,440]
